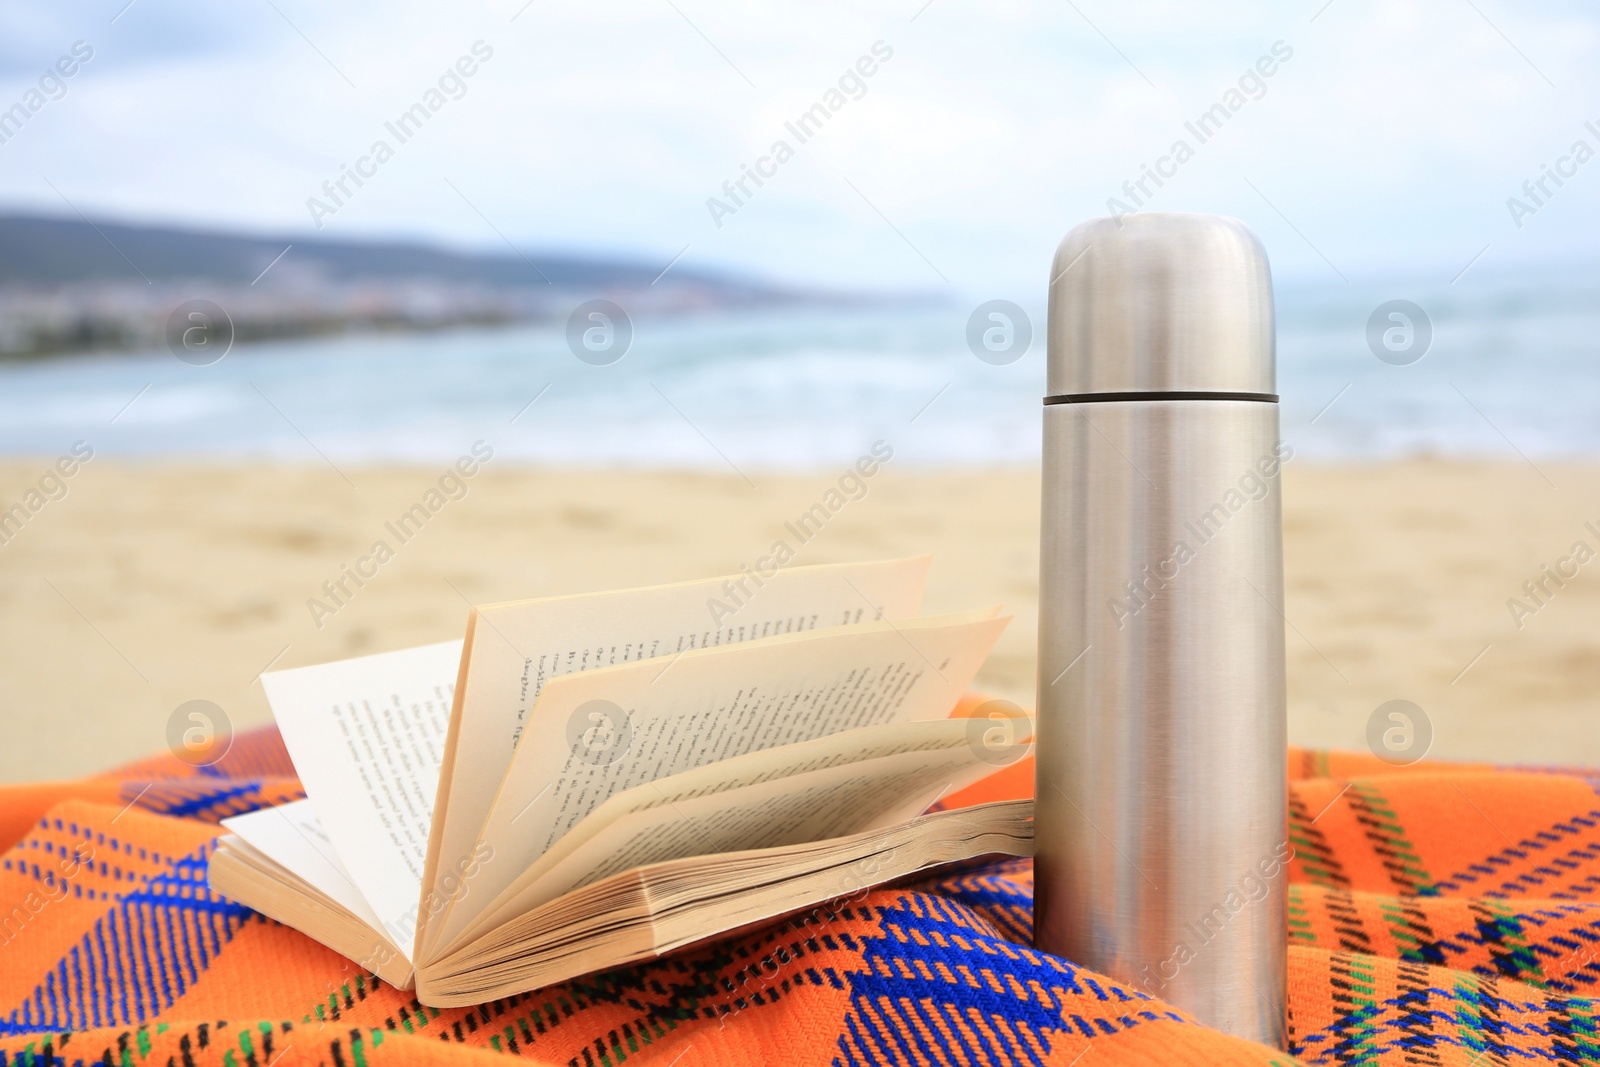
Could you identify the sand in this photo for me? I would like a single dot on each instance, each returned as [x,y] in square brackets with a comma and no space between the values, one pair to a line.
[147,586]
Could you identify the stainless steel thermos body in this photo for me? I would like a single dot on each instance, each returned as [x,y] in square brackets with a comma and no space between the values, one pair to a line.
[1160,821]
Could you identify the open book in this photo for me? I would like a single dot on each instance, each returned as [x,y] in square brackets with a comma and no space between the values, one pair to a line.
[590,780]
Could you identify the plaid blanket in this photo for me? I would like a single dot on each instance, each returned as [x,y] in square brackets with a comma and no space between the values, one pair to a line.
[1443,914]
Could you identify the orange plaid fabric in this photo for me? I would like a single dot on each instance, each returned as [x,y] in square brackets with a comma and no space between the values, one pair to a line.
[1443,914]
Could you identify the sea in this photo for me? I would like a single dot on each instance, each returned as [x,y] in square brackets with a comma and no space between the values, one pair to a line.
[1503,366]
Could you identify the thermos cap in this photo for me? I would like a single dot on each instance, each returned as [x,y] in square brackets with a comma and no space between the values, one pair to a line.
[1158,303]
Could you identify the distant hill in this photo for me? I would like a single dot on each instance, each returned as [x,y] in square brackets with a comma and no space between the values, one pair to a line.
[71,285]
[37,250]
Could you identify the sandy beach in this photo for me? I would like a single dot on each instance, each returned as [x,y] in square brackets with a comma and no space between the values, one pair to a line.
[146,586]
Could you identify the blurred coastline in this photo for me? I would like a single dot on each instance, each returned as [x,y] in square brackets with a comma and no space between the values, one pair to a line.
[1504,365]
[75,285]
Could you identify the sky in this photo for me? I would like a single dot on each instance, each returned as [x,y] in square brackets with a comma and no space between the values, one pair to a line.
[1387,139]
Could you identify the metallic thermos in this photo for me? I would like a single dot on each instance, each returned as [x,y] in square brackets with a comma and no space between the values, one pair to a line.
[1160,822]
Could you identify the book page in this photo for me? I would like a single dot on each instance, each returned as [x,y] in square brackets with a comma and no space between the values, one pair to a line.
[711,705]
[813,806]
[290,836]
[861,749]
[647,911]
[367,739]
[515,649]
[240,873]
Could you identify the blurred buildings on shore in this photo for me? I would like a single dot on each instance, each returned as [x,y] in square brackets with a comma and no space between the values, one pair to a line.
[72,285]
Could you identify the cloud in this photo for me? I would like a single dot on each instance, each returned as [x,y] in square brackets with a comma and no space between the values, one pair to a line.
[1392,138]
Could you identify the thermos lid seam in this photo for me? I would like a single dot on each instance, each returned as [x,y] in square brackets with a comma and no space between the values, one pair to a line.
[1160,394]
